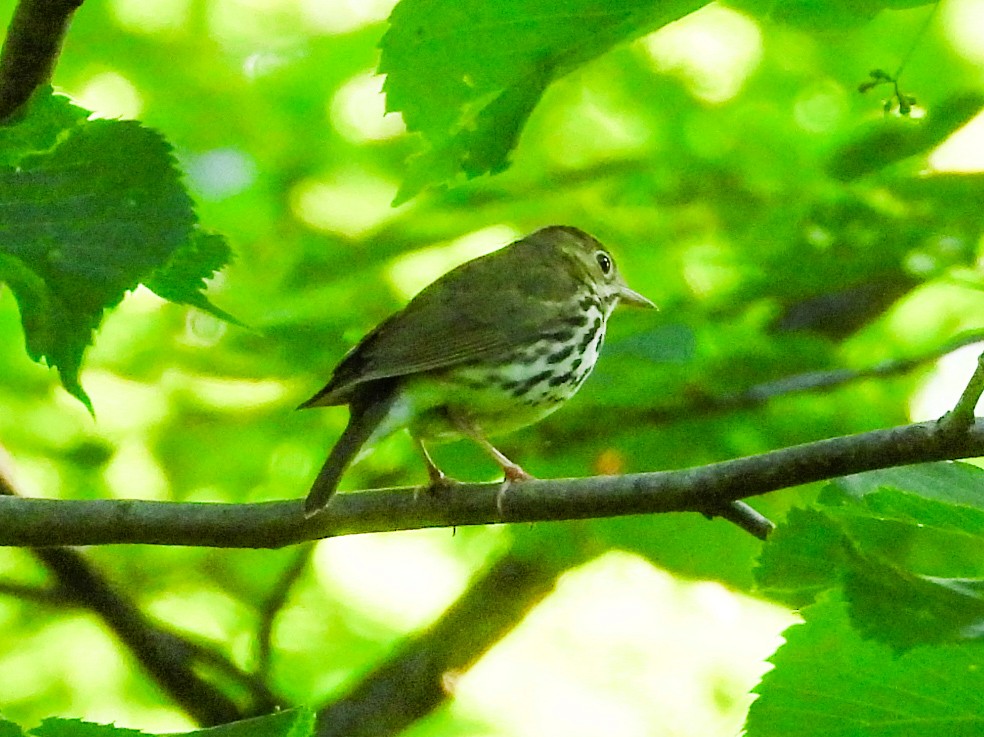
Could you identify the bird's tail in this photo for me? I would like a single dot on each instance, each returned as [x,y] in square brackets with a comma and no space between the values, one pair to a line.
[365,417]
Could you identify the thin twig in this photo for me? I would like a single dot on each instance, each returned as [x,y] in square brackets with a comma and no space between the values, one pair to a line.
[170,659]
[31,49]
[33,522]
[274,603]
[746,517]
[49,596]
[809,381]
[958,419]
[208,659]
[164,655]
[916,39]
[421,672]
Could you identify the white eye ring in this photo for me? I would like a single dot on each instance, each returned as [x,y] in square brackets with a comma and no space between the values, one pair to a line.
[604,261]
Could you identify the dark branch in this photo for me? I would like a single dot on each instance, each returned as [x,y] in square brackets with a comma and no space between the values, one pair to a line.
[31,49]
[166,656]
[274,603]
[420,674]
[811,381]
[48,596]
[38,522]
[171,660]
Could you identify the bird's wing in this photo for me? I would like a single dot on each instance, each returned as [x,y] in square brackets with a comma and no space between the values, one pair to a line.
[484,316]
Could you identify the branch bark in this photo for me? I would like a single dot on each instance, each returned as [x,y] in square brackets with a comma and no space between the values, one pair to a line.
[31,49]
[45,522]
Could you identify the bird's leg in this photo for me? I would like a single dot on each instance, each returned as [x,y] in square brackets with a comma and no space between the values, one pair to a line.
[439,481]
[512,471]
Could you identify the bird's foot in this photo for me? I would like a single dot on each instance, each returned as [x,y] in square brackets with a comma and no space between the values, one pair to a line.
[513,474]
[439,486]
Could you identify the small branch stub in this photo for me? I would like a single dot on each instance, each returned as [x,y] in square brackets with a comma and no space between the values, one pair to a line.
[961,417]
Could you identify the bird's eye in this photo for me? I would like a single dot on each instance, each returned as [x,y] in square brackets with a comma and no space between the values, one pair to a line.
[604,261]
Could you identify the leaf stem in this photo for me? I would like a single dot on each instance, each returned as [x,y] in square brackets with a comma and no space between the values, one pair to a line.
[915,42]
[30,51]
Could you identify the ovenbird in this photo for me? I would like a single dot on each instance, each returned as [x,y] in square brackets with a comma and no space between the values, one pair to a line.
[492,346]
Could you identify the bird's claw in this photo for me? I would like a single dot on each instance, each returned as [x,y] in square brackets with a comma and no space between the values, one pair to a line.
[439,487]
[513,474]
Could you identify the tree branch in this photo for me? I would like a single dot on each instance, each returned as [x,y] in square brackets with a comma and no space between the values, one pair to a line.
[171,660]
[166,656]
[420,674]
[961,416]
[31,49]
[41,522]
[53,596]
[275,601]
[810,381]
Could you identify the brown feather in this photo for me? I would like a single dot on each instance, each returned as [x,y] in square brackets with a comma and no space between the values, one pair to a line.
[514,295]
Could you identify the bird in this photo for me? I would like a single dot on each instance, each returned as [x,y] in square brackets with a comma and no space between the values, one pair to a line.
[494,345]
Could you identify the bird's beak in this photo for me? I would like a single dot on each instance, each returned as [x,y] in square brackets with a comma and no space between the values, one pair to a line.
[632,297]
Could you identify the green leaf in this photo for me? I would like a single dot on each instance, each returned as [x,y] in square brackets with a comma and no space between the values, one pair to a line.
[91,210]
[952,482]
[38,126]
[909,567]
[9,729]
[916,510]
[904,610]
[827,680]
[467,75]
[183,277]
[923,535]
[916,556]
[803,557]
[51,330]
[822,15]
[894,139]
[292,723]
[484,145]
[55,727]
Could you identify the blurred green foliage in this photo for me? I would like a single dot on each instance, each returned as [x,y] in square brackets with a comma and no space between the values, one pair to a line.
[782,222]
[293,723]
